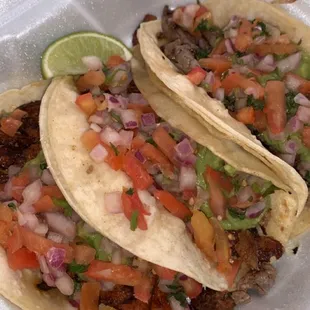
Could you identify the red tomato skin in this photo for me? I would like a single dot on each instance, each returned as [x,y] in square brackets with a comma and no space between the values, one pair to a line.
[191,287]
[10,126]
[196,75]
[135,170]
[22,259]
[86,103]
[15,241]
[164,273]
[118,274]
[306,136]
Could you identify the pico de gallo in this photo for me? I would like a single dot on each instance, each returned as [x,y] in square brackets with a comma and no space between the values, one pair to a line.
[254,69]
[216,201]
[40,231]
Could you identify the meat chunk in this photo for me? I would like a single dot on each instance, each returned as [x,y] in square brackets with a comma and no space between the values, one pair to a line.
[25,145]
[120,295]
[261,280]
[255,250]
[240,297]
[213,300]
[159,300]
[147,18]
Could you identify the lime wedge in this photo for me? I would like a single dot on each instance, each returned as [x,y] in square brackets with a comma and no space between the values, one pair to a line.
[64,56]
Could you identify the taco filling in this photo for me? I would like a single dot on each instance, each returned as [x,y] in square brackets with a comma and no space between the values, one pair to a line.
[40,231]
[224,209]
[254,69]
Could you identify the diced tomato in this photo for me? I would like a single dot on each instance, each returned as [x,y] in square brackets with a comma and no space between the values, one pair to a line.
[236,80]
[4,233]
[41,245]
[222,247]
[138,205]
[45,204]
[144,108]
[19,183]
[116,162]
[203,14]
[174,206]
[129,206]
[22,259]
[114,61]
[135,170]
[203,234]
[220,48]
[306,136]
[153,154]
[201,11]
[10,126]
[164,142]
[118,274]
[15,241]
[52,191]
[191,287]
[187,194]
[244,38]
[83,254]
[143,290]
[6,214]
[137,142]
[90,293]
[217,199]
[18,114]
[260,122]
[277,48]
[164,273]
[304,87]
[89,80]
[275,107]
[220,179]
[217,65]
[246,115]
[90,139]
[196,75]
[231,276]
[216,85]
[86,103]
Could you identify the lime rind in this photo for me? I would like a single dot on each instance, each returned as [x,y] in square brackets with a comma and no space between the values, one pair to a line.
[64,56]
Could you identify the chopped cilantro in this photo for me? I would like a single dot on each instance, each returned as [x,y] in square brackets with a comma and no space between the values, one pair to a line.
[206,25]
[12,205]
[229,102]
[267,189]
[116,117]
[77,268]
[63,204]
[103,255]
[43,166]
[177,291]
[255,103]
[236,182]
[264,29]
[176,135]
[202,53]
[256,188]
[151,141]
[291,105]
[134,220]
[130,191]
[240,54]
[77,286]
[236,213]
[235,60]
[114,148]
[307,177]
[205,208]
[273,76]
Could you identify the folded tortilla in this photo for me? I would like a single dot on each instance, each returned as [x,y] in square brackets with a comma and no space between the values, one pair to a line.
[213,113]
[20,287]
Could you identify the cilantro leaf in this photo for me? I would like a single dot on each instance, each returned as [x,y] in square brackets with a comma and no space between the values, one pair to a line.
[116,117]
[134,220]
[63,204]
[229,102]
[202,53]
[234,212]
[264,31]
[114,148]
[151,141]
[130,191]
[255,103]
[12,205]
[43,166]
[77,268]
[291,105]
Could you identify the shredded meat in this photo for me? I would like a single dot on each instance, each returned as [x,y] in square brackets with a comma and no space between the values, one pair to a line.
[25,145]
[147,18]
[261,280]
[213,300]
[117,297]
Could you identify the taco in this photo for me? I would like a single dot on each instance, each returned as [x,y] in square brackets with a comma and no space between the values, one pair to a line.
[197,52]
[139,165]
[49,256]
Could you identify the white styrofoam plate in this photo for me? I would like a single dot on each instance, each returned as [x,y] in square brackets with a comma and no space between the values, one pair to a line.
[28,26]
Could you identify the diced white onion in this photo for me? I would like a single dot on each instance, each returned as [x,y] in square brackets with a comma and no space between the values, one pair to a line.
[92,62]
[61,224]
[113,202]
[109,135]
[65,285]
[187,178]
[98,153]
